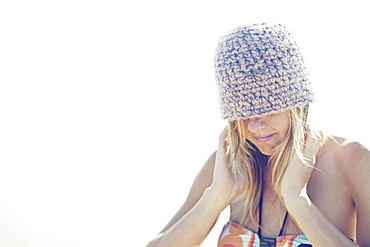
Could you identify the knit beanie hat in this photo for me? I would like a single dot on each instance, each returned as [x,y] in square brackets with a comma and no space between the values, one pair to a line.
[259,70]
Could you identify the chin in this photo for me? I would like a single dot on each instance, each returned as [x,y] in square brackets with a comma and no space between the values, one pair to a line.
[266,150]
[266,153]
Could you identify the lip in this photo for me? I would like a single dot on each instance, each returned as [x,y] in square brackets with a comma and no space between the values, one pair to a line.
[264,139]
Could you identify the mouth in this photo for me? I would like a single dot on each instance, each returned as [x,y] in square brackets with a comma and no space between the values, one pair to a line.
[264,138]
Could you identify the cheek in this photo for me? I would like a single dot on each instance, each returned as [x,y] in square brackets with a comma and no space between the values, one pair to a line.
[285,128]
[283,123]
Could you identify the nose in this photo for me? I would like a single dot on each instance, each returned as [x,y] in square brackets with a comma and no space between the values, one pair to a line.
[255,124]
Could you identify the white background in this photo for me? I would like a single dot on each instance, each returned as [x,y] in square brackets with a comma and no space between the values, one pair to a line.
[108,109]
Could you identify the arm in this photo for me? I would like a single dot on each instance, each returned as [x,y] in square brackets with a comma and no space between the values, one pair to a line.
[202,181]
[194,226]
[200,184]
[312,221]
[212,190]
[359,178]
[318,229]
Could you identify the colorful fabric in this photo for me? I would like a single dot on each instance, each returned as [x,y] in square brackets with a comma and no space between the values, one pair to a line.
[235,235]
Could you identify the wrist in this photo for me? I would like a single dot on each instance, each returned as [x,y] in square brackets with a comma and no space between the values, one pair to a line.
[292,194]
[218,197]
[296,201]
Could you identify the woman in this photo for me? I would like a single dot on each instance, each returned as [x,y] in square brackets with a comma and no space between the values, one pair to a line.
[286,184]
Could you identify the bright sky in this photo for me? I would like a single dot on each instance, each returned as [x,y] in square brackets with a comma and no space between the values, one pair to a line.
[109,109]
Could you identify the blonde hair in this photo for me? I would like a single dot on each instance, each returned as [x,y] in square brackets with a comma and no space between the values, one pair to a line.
[247,162]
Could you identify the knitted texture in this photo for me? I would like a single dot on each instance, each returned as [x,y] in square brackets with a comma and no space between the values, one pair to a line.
[259,70]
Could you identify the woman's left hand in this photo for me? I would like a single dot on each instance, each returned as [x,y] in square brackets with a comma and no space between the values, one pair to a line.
[297,174]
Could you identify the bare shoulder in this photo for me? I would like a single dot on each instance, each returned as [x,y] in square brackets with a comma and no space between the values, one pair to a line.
[352,158]
[349,153]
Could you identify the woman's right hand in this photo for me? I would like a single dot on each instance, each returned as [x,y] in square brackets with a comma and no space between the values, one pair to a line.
[224,182]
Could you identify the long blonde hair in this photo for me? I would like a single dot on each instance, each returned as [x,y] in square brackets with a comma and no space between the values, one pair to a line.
[247,162]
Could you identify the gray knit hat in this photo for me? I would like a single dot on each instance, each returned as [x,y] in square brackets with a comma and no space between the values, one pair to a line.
[259,70]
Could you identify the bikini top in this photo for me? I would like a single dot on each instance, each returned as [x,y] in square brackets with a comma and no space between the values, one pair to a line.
[235,235]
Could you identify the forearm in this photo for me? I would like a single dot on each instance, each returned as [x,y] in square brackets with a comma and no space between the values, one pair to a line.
[317,228]
[193,227]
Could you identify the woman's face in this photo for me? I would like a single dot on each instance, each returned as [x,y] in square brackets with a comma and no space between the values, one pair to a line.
[269,131]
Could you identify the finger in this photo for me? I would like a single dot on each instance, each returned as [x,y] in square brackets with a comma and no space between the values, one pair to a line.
[311,148]
[223,144]
[223,136]
[224,133]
